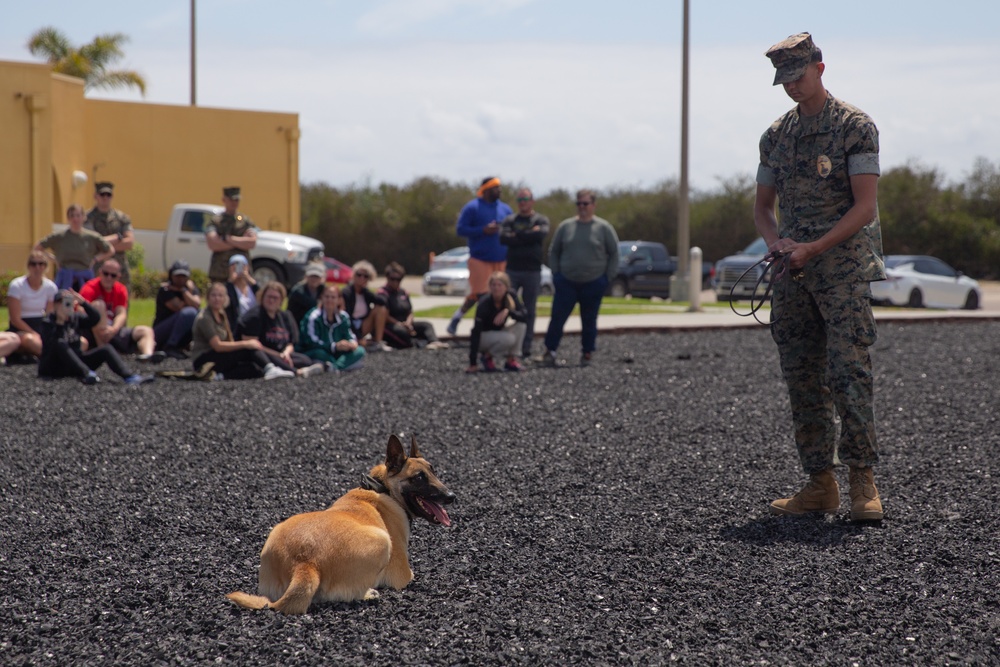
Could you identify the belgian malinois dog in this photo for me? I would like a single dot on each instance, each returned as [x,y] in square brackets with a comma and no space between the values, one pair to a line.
[358,544]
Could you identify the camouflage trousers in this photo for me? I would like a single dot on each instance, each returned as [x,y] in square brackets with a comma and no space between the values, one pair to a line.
[823,339]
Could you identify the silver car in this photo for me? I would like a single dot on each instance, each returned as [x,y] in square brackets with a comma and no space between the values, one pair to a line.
[454,280]
[728,270]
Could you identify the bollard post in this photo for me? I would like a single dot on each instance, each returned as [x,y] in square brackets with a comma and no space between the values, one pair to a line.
[695,279]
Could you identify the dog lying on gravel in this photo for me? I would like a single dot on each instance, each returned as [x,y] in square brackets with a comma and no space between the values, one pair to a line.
[358,544]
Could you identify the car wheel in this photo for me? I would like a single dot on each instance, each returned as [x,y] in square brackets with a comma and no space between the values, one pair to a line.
[619,288]
[266,270]
[971,301]
[916,299]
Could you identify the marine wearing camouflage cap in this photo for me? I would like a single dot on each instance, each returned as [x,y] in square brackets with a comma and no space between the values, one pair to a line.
[792,56]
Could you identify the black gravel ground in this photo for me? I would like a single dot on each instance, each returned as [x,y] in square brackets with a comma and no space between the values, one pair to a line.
[608,515]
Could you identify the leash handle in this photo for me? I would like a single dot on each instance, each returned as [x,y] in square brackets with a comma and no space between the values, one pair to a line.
[776,269]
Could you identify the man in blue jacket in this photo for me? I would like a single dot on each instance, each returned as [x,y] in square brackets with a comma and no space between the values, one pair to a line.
[479,222]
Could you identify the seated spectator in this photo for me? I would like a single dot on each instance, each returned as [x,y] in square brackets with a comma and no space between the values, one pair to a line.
[29,299]
[76,250]
[490,332]
[398,328]
[217,355]
[61,353]
[305,294]
[109,297]
[277,331]
[177,304]
[242,289]
[325,335]
[359,302]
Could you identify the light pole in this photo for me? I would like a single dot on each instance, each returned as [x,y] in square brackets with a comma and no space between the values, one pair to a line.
[679,286]
[194,88]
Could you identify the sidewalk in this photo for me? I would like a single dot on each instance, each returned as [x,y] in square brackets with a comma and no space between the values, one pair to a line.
[714,317]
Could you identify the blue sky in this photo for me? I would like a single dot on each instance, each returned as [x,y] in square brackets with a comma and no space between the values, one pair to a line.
[554,93]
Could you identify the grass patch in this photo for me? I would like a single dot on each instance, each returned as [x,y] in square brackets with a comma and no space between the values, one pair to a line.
[140,311]
[609,306]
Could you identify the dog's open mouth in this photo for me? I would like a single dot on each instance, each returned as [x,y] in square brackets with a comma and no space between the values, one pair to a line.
[428,508]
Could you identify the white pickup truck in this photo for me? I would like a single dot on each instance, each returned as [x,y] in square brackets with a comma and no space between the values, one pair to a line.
[278,256]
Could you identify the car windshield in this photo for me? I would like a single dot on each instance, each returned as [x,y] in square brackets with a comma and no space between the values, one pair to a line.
[758,247]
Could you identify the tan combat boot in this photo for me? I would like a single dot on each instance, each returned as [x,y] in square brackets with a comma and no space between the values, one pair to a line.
[821,494]
[865,502]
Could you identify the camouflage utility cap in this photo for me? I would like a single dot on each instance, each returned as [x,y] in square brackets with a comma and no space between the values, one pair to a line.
[792,56]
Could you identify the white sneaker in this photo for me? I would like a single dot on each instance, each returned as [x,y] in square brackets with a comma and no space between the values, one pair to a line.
[438,345]
[379,346]
[309,371]
[272,372]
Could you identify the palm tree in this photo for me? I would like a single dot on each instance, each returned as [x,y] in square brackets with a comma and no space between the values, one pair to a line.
[89,62]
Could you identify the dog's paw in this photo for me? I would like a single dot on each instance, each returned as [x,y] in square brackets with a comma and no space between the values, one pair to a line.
[372,594]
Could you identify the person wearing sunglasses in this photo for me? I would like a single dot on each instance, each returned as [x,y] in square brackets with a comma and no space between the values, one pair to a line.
[398,328]
[523,233]
[479,222]
[583,257]
[62,354]
[113,225]
[76,250]
[110,298]
[29,299]
[360,302]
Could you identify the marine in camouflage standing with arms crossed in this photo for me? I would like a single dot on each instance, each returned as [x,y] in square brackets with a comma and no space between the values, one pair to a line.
[113,225]
[229,233]
[820,163]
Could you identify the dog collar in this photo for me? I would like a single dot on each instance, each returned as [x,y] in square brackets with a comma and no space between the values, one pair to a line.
[371,484]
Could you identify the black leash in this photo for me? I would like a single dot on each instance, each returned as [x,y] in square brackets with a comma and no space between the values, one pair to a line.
[776,270]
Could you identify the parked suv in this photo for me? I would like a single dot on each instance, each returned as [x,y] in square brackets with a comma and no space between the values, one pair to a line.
[729,269]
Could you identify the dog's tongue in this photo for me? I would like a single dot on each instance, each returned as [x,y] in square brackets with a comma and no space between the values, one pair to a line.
[439,513]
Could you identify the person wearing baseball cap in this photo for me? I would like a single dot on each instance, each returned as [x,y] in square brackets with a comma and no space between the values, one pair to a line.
[177,304]
[819,164]
[229,233]
[306,294]
[112,224]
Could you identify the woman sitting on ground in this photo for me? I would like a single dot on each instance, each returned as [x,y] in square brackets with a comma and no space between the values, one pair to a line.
[61,354]
[491,332]
[360,303]
[215,352]
[242,290]
[29,299]
[398,329]
[325,335]
[277,331]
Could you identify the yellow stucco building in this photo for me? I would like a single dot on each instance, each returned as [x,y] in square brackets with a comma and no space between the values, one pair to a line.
[56,143]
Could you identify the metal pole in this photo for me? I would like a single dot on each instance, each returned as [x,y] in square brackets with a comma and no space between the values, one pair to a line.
[679,281]
[194,87]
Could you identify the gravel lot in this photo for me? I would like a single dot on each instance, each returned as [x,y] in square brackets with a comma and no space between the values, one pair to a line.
[608,515]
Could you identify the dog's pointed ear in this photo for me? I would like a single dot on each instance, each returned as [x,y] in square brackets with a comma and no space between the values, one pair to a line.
[414,451]
[394,456]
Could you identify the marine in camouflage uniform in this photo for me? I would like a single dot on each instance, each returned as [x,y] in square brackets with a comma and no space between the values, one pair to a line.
[226,225]
[113,225]
[820,162]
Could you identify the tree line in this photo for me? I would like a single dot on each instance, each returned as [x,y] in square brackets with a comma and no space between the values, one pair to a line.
[920,214]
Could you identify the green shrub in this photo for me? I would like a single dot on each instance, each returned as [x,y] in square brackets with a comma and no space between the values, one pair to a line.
[5,279]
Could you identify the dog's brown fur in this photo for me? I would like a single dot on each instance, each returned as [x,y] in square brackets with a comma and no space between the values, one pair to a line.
[356,545]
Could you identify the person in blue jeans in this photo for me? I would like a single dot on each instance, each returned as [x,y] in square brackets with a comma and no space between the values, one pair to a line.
[583,257]
[177,304]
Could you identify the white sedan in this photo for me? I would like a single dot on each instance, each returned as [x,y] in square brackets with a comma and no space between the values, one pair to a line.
[454,281]
[919,281]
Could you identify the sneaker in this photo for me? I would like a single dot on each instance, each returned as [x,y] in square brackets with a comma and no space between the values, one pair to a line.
[549,359]
[154,358]
[379,346]
[488,364]
[217,377]
[453,325]
[330,368]
[136,379]
[272,372]
[513,365]
[205,372]
[309,371]
[90,378]
[585,358]
[175,353]
[820,494]
[437,345]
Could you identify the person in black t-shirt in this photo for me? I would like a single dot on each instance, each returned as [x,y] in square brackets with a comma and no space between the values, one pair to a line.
[277,331]
[177,304]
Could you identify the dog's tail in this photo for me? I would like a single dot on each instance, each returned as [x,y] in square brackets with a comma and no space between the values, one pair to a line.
[249,601]
[297,597]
